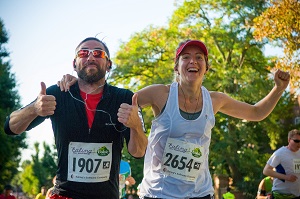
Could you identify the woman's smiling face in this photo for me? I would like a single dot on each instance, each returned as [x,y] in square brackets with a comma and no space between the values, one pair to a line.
[191,63]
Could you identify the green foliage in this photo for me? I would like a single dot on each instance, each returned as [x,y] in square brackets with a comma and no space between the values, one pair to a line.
[148,62]
[10,147]
[136,165]
[38,172]
[35,173]
[281,22]
[30,183]
[49,163]
[239,149]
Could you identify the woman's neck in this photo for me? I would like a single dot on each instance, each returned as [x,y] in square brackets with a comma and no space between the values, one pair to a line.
[191,91]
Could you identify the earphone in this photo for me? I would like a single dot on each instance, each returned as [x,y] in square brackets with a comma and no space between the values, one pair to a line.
[97,110]
[109,67]
[74,65]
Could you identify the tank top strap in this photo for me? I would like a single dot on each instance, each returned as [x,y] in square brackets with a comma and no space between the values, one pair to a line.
[172,102]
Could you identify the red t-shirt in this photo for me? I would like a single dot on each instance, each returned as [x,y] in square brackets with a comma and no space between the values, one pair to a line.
[2,196]
[91,102]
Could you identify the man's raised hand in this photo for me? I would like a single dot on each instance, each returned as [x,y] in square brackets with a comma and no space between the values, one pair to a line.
[44,104]
[128,114]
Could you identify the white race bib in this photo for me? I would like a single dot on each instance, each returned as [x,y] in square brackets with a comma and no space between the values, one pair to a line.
[182,160]
[89,162]
[296,165]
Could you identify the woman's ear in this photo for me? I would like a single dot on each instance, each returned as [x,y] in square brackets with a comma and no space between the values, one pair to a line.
[176,70]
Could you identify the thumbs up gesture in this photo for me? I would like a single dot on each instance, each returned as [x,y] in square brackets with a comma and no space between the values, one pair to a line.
[45,104]
[128,114]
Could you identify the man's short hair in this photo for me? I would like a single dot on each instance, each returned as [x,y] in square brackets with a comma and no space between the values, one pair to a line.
[8,187]
[228,189]
[293,132]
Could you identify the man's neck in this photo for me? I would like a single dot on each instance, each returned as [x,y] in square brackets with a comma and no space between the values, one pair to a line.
[291,148]
[93,88]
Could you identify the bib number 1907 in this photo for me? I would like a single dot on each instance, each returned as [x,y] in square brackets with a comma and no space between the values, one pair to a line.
[89,165]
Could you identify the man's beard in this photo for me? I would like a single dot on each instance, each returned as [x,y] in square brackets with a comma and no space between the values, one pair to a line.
[91,78]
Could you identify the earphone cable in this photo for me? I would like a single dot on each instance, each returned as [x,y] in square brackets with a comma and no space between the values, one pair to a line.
[114,125]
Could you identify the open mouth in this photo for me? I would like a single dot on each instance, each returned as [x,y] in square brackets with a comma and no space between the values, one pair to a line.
[193,70]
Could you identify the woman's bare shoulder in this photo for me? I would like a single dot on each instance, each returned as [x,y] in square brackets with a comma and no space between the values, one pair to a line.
[218,100]
[217,94]
[154,95]
[161,88]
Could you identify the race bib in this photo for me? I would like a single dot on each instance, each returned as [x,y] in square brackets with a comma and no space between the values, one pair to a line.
[296,165]
[182,160]
[89,162]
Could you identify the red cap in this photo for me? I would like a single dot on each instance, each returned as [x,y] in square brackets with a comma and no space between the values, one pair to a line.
[192,43]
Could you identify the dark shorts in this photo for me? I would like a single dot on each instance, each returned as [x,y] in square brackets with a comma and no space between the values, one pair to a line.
[55,196]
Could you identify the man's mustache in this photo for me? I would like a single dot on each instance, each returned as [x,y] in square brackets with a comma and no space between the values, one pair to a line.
[90,63]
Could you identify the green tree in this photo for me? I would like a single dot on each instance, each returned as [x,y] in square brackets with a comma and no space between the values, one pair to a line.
[30,183]
[137,165]
[10,147]
[239,68]
[32,177]
[281,22]
[38,169]
[49,163]
[38,172]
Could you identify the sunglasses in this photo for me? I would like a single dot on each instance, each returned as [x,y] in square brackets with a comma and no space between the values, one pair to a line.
[83,53]
[297,141]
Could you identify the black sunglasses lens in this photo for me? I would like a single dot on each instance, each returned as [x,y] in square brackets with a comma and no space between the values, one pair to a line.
[297,141]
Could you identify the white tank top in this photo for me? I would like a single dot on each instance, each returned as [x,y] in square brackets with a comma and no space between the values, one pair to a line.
[171,169]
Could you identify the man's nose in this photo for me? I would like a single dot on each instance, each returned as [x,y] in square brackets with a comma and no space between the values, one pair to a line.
[91,56]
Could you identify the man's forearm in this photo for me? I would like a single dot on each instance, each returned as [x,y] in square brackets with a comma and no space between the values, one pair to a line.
[138,142]
[20,119]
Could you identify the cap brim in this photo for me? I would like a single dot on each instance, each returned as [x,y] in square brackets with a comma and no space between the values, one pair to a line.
[192,43]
